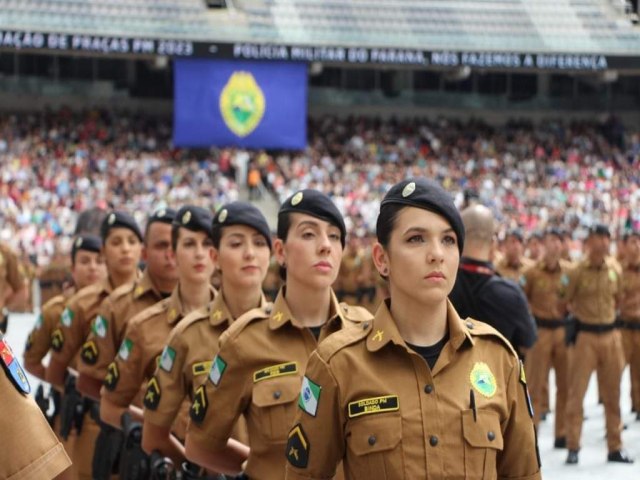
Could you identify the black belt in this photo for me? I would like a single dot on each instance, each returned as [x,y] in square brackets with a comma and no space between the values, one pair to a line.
[630,325]
[549,323]
[596,328]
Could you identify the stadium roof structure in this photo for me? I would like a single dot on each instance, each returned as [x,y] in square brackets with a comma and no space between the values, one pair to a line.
[568,34]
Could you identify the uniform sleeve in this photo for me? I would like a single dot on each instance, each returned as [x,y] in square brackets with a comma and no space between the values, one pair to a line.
[125,374]
[519,458]
[527,282]
[222,398]
[316,441]
[102,341]
[68,335]
[15,278]
[168,384]
[571,288]
[39,340]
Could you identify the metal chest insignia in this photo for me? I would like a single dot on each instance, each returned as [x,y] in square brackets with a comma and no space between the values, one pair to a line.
[483,380]
[11,365]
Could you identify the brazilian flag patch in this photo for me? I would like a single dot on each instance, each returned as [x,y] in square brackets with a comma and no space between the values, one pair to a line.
[199,405]
[113,375]
[57,340]
[89,353]
[298,447]
[152,396]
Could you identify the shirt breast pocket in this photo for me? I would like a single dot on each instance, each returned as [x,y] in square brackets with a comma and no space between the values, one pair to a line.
[482,441]
[374,447]
[273,403]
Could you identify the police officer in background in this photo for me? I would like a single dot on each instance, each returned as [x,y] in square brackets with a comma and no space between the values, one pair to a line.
[13,289]
[544,285]
[417,393]
[482,294]
[30,449]
[592,292]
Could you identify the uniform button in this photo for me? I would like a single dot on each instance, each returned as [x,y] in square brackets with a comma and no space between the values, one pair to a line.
[372,440]
[470,325]
[491,436]
[277,394]
[365,325]
[268,310]
[428,388]
[433,441]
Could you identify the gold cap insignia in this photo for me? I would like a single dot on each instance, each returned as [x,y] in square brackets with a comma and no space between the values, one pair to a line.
[223,215]
[112,219]
[297,198]
[408,189]
[78,242]
[186,217]
[161,213]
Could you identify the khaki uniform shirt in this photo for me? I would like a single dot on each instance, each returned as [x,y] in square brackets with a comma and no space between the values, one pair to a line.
[592,292]
[630,300]
[11,273]
[369,400]
[185,363]
[257,373]
[107,329]
[513,272]
[53,278]
[145,337]
[75,321]
[545,290]
[30,449]
[39,340]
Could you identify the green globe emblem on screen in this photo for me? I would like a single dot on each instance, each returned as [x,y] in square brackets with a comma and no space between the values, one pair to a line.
[242,103]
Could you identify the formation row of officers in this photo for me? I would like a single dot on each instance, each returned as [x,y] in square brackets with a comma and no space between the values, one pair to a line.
[160,375]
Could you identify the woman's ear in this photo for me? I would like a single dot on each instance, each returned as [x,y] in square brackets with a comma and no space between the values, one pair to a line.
[214,254]
[380,260]
[278,252]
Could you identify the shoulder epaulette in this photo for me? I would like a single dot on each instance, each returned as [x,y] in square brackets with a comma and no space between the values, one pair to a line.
[57,300]
[484,329]
[152,311]
[122,291]
[343,338]
[355,313]
[193,317]
[247,318]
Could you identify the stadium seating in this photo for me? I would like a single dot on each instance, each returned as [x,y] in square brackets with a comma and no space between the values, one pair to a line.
[567,26]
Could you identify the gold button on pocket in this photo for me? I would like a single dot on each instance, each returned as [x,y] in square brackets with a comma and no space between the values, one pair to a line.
[375,449]
[273,406]
[482,440]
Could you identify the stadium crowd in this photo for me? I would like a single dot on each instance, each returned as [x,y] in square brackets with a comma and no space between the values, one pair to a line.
[54,164]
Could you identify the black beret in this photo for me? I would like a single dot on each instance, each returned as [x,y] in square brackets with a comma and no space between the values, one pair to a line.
[316,204]
[117,219]
[162,215]
[196,219]
[630,233]
[242,213]
[91,243]
[599,229]
[517,233]
[428,195]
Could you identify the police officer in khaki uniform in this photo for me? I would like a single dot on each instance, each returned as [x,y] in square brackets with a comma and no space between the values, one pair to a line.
[630,314]
[121,239]
[87,268]
[12,283]
[544,285]
[513,264]
[242,248]
[417,392]
[147,333]
[593,288]
[349,283]
[107,331]
[258,370]
[30,449]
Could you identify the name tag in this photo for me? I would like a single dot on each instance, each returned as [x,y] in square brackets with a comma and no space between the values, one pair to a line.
[368,406]
[201,368]
[275,371]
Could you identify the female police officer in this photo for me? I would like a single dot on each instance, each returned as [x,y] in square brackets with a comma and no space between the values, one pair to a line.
[418,393]
[258,370]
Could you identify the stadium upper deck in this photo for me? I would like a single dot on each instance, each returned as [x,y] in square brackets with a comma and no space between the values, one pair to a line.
[540,26]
